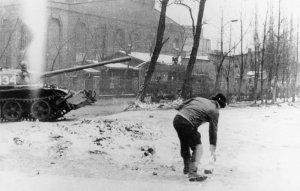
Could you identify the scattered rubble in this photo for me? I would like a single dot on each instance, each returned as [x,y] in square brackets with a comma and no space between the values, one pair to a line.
[147,150]
[55,137]
[18,141]
[97,152]
[59,149]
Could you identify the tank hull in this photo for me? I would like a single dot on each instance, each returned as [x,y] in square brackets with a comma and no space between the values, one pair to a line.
[22,99]
[40,103]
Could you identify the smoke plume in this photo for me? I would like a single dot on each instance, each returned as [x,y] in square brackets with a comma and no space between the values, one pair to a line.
[35,17]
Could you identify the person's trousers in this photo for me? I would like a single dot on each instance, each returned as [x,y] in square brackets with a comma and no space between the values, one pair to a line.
[188,135]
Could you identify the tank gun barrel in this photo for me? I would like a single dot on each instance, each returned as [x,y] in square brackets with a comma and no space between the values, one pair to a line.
[56,72]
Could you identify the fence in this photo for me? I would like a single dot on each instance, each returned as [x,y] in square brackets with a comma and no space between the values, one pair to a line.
[107,87]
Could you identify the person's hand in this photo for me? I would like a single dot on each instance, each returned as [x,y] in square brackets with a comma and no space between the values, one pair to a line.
[212,150]
[213,156]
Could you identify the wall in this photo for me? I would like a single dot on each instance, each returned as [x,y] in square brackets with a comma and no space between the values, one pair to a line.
[204,45]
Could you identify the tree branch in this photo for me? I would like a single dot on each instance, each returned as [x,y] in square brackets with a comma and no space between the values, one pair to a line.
[179,2]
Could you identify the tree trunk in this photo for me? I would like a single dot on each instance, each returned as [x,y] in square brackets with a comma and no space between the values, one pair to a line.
[256,56]
[242,64]
[227,88]
[219,72]
[296,67]
[256,68]
[217,83]
[277,60]
[158,46]
[262,63]
[187,83]
[269,88]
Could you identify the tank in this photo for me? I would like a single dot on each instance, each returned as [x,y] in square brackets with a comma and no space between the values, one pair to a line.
[22,100]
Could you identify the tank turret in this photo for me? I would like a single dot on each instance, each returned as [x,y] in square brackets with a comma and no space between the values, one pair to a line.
[20,99]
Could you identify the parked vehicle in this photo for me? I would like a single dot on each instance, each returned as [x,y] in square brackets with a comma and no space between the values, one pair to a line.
[21,99]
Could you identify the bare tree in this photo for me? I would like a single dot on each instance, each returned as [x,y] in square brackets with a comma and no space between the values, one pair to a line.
[92,42]
[228,70]
[262,61]
[183,38]
[296,62]
[220,57]
[182,3]
[287,63]
[186,89]
[277,57]
[256,57]
[59,51]
[270,56]
[160,41]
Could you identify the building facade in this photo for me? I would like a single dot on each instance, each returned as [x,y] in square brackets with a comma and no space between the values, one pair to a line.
[85,29]
[204,45]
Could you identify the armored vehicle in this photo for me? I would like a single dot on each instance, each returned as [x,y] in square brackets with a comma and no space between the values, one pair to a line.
[22,100]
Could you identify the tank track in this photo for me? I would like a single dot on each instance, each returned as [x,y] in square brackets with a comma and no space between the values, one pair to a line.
[57,111]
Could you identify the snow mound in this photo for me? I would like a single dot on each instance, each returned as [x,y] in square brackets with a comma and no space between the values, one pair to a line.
[163,104]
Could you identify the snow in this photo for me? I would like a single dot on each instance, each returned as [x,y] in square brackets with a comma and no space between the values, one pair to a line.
[91,70]
[119,66]
[258,149]
[206,58]
[163,58]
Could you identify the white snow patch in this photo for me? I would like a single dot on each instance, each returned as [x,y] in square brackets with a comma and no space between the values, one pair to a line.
[258,149]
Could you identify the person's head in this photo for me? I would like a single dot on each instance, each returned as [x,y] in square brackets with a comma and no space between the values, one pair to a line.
[23,66]
[221,99]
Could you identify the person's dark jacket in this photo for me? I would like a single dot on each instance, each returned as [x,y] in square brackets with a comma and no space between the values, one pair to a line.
[200,110]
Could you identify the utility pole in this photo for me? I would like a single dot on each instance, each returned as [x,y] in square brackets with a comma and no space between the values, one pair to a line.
[296,65]
[242,62]
[221,56]
[229,66]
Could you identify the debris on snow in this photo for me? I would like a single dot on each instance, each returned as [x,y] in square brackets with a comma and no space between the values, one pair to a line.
[97,152]
[18,141]
[147,150]
[59,150]
[55,137]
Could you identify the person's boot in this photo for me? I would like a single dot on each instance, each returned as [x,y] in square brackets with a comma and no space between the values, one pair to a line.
[193,175]
[186,166]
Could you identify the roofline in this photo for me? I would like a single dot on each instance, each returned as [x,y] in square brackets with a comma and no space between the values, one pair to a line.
[122,52]
[168,17]
[141,64]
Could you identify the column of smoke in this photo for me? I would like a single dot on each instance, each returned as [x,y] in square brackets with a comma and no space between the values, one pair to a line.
[35,18]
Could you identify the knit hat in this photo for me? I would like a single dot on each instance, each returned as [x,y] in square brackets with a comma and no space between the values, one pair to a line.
[221,99]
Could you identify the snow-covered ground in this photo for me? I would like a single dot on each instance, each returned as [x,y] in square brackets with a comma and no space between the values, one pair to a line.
[258,149]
